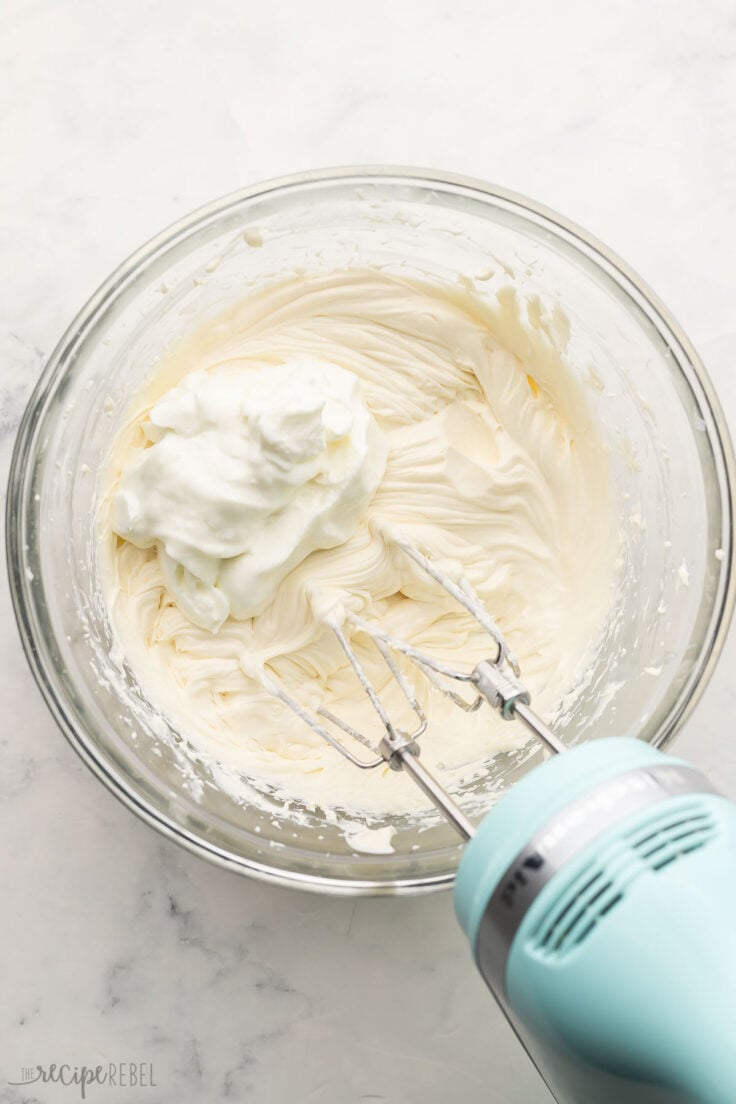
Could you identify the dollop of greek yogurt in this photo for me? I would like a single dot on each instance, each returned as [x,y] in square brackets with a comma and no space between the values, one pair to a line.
[246,473]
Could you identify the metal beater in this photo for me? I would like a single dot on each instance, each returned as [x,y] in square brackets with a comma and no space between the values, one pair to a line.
[495,681]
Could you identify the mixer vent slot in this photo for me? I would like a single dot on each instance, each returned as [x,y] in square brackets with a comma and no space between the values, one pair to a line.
[653,845]
[660,844]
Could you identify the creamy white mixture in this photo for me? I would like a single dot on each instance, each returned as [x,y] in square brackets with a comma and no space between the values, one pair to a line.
[255,482]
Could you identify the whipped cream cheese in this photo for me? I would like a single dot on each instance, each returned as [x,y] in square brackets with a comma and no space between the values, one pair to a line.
[493,467]
[247,474]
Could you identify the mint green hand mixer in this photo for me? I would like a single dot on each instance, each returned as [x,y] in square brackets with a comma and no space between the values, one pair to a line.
[599,896]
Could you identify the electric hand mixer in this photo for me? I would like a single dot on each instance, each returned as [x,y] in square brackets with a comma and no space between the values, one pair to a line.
[599,896]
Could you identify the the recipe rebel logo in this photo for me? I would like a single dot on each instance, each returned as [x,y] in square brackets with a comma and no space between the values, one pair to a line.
[115,1075]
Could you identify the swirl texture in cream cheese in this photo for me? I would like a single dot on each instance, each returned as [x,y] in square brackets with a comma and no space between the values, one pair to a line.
[494,468]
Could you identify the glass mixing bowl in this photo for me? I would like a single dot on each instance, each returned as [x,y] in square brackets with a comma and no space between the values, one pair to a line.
[671,460]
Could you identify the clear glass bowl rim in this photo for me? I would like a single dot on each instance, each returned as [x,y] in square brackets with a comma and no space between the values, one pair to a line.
[22,465]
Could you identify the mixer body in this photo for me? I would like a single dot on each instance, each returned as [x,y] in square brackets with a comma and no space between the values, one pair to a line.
[600,901]
[599,896]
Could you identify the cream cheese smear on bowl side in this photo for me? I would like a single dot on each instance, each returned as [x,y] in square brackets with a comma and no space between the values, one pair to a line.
[252,486]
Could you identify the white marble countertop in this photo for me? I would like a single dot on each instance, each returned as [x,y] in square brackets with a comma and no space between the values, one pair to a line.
[116,119]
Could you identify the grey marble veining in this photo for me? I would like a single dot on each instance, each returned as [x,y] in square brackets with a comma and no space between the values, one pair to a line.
[115,119]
